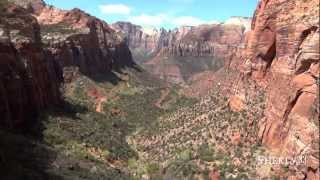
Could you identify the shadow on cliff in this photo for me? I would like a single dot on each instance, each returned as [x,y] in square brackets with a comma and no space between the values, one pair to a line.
[123,60]
[33,153]
[28,154]
[84,129]
[23,158]
[23,152]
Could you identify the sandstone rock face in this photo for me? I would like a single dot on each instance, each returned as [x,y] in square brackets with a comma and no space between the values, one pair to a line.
[29,81]
[77,39]
[236,103]
[203,40]
[136,37]
[32,6]
[42,46]
[283,56]
[178,55]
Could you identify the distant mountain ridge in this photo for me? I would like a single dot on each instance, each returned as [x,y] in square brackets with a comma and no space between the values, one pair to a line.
[153,40]
[178,54]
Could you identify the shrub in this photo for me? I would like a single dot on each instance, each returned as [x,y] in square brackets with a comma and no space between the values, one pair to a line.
[206,153]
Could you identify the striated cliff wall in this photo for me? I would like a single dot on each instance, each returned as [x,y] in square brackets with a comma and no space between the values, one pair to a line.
[282,55]
[202,40]
[178,55]
[78,39]
[29,80]
[41,47]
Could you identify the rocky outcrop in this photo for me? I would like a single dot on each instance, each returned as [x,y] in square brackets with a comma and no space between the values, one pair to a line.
[42,46]
[203,40]
[32,6]
[29,80]
[79,40]
[177,55]
[282,55]
[137,38]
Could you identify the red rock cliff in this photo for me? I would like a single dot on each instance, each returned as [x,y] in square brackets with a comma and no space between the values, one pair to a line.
[203,40]
[282,55]
[177,55]
[42,46]
[77,39]
[29,82]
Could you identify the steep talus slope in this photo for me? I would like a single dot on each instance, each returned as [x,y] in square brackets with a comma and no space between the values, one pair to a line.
[206,138]
[282,55]
[29,80]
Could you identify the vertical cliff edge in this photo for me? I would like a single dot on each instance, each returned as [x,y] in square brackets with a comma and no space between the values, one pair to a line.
[42,47]
[282,56]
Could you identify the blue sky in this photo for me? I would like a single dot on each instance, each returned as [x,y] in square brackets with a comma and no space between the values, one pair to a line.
[162,13]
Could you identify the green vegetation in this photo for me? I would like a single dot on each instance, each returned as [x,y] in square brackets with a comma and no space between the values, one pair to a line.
[92,145]
[133,138]
[190,66]
[206,153]
[60,28]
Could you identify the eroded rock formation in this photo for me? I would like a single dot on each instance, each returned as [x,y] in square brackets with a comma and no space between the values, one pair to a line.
[282,55]
[78,39]
[178,55]
[29,80]
[41,47]
[202,40]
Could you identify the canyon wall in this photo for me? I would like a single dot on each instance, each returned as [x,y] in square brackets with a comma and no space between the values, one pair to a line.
[178,55]
[202,40]
[29,80]
[282,56]
[42,47]
[77,39]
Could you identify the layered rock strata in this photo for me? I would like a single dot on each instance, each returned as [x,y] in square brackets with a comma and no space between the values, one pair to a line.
[282,55]
[42,46]
[202,40]
[29,80]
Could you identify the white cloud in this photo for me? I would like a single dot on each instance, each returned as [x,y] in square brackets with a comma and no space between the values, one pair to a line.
[115,9]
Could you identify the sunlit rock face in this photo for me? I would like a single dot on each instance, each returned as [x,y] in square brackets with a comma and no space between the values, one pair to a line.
[282,55]
[78,39]
[179,54]
[199,40]
[41,47]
